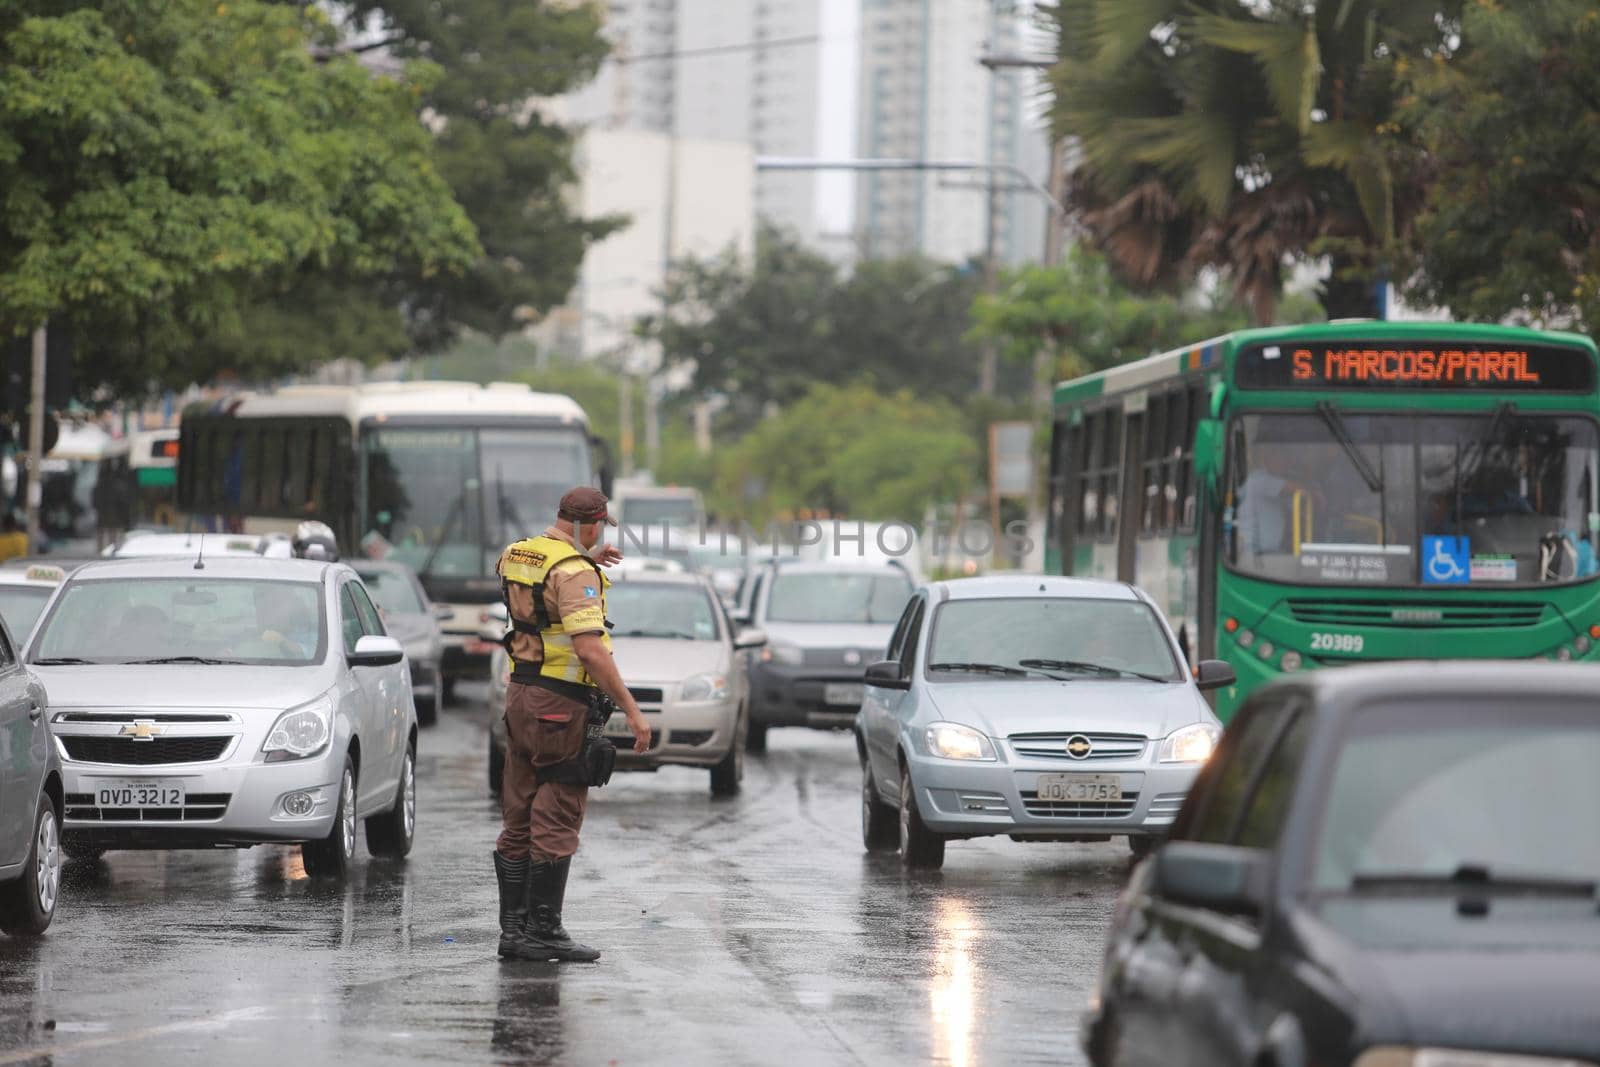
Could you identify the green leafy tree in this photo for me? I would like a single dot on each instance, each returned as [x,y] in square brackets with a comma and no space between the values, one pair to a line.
[167,165]
[1244,136]
[850,451]
[1511,128]
[508,165]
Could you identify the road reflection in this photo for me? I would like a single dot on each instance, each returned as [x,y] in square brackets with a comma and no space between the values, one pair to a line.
[952,994]
[529,1025]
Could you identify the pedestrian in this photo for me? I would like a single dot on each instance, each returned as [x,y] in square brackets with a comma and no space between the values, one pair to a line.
[561,663]
[13,541]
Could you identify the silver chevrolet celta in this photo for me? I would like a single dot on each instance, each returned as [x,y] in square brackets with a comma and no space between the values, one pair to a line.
[202,702]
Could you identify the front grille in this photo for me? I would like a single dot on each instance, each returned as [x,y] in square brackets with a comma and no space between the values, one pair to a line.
[129,753]
[1101,746]
[1415,614]
[126,717]
[690,737]
[1166,805]
[1079,809]
[646,696]
[983,802]
[198,807]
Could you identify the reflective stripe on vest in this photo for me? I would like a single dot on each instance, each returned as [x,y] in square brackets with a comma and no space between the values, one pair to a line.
[529,562]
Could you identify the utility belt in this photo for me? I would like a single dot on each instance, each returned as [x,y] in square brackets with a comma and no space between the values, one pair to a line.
[597,756]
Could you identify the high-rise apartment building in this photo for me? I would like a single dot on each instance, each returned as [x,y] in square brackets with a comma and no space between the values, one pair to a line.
[924,95]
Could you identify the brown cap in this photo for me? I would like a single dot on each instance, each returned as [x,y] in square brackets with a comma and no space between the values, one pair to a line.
[584,504]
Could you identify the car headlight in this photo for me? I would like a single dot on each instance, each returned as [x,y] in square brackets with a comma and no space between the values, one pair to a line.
[789,655]
[704,687]
[300,732]
[1397,1056]
[1190,744]
[954,741]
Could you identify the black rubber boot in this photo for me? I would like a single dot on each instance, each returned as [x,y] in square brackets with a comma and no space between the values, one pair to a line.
[513,878]
[543,936]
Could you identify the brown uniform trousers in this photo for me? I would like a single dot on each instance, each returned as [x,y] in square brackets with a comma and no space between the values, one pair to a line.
[541,821]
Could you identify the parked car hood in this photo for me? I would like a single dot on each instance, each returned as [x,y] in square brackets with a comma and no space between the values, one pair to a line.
[1000,707]
[182,685]
[1429,976]
[665,659]
[865,636]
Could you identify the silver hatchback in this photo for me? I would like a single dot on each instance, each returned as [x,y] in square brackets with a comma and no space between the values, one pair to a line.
[1042,708]
[228,702]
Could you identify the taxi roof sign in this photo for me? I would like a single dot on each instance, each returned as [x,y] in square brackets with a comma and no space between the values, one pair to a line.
[42,572]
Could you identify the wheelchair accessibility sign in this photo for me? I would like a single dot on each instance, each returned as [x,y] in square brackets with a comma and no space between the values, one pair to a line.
[1446,561]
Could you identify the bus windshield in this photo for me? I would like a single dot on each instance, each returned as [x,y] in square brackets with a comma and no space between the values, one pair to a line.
[1336,497]
[447,500]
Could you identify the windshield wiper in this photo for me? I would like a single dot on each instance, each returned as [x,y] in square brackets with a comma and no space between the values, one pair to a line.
[208,661]
[979,668]
[677,634]
[1090,668]
[1471,876]
[1341,434]
[60,661]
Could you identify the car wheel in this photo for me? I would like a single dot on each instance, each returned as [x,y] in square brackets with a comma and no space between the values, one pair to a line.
[428,708]
[332,856]
[919,846]
[497,766]
[392,832]
[1142,845]
[726,776]
[879,830]
[756,739]
[28,902]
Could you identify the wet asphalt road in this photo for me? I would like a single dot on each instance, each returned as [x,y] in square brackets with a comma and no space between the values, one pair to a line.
[747,930]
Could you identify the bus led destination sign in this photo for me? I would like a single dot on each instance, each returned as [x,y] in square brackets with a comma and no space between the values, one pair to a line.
[1450,365]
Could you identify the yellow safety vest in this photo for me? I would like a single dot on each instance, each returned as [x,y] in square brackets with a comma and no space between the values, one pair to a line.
[528,562]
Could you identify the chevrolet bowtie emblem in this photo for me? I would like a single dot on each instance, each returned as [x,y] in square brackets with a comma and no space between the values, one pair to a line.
[142,730]
[1079,746]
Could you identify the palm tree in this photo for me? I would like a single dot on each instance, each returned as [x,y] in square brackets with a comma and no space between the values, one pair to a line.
[1243,135]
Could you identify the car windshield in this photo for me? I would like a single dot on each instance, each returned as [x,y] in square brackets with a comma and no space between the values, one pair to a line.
[446,501]
[837,597]
[661,609]
[1033,633]
[1338,497]
[392,590]
[20,606]
[234,620]
[1428,791]
[655,510]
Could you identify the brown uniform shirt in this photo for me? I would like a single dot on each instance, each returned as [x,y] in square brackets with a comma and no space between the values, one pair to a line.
[571,592]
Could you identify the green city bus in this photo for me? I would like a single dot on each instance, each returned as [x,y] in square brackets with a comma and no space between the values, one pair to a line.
[1315,496]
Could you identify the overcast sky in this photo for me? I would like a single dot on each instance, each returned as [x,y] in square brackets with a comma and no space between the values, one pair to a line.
[836,133]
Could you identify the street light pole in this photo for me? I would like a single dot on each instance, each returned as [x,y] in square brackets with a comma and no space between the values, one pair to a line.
[36,440]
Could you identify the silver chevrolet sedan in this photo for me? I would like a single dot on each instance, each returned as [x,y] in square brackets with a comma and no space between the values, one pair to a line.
[203,702]
[1043,708]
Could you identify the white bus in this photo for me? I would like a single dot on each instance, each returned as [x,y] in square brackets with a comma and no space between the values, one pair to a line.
[437,475]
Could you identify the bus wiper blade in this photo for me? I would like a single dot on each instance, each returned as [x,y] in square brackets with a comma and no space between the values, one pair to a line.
[207,660]
[1090,668]
[1470,876]
[1341,434]
[978,668]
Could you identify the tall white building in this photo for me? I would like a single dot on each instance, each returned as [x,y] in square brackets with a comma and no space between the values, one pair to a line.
[924,95]
[718,70]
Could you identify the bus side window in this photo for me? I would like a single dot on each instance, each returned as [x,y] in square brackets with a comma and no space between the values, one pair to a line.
[1187,490]
[1088,480]
[1111,474]
[1151,510]
[296,469]
[271,440]
[1179,459]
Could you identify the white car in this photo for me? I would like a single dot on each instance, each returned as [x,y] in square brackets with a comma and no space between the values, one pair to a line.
[679,656]
[148,543]
[24,591]
[228,702]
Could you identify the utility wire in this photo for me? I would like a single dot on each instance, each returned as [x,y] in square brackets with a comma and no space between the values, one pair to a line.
[720,49]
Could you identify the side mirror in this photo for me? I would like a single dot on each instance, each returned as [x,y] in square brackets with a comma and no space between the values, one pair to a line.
[740,618]
[1221,877]
[375,650]
[751,638]
[886,675]
[443,612]
[1214,674]
[1210,436]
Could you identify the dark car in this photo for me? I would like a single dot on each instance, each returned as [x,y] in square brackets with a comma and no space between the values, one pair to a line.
[1378,864]
[409,615]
